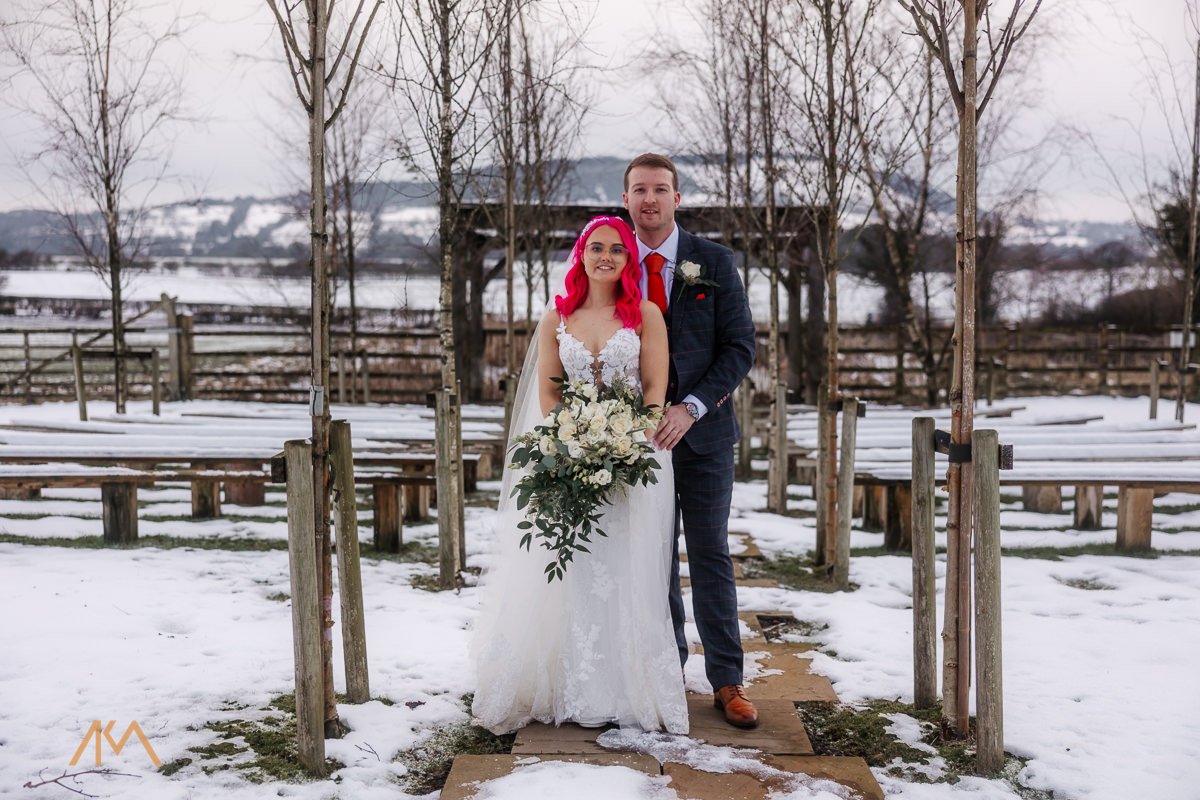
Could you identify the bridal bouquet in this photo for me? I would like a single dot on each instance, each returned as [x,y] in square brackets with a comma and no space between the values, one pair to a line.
[593,444]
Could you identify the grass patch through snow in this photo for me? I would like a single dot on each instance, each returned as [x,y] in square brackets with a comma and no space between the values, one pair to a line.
[429,762]
[846,730]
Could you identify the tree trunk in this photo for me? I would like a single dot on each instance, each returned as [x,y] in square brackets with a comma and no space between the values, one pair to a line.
[319,405]
[957,653]
[450,476]
[777,471]
[1191,273]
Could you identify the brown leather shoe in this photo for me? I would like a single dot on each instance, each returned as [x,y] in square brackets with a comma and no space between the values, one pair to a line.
[739,711]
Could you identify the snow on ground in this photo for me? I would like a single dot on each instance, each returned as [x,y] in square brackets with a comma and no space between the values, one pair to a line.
[1027,294]
[1099,651]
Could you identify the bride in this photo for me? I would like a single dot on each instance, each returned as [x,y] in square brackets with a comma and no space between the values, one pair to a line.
[597,646]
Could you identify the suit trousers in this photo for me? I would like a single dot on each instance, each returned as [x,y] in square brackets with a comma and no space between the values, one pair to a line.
[703,492]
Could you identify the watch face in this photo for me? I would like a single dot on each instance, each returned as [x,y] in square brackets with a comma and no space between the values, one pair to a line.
[691,409]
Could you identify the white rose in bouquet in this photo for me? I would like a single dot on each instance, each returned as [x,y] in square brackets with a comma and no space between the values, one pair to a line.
[574,449]
[547,446]
[567,431]
[564,417]
[622,446]
[621,424]
[597,424]
[602,478]
[639,436]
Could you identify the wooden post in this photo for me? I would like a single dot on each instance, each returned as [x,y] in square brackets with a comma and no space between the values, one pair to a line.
[990,364]
[174,349]
[1135,513]
[416,502]
[744,398]
[1042,499]
[306,608]
[187,349]
[874,508]
[247,492]
[989,689]
[1155,365]
[1002,366]
[366,379]
[777,483]
[350,596]
[900,387]
[845,498]
[1089,507]
[821,545]
[924,574]
[80,386]
[1104,360]
[120,512]
[897,527]
[155,383]
[387,525]
[341,375]
[206,497]
[28,371]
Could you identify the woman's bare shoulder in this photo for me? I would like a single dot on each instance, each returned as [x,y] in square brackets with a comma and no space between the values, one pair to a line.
[651,310]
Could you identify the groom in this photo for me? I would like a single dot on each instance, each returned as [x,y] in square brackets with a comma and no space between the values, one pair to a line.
[711,339]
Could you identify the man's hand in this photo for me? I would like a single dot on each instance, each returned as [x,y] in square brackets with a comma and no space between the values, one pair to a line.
[675,423]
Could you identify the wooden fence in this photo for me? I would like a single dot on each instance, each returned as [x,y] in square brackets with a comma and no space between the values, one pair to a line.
[257,362]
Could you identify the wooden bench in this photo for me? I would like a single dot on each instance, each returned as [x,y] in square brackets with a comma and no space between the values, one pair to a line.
[1136,486]
[402,487]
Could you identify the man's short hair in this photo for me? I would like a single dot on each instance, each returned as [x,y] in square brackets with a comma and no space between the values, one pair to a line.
[657,161]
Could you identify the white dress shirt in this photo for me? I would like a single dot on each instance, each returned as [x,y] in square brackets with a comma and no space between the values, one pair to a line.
[669,250]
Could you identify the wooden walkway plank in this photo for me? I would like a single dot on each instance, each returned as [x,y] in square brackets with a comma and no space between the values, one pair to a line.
[469,771]
[852,773]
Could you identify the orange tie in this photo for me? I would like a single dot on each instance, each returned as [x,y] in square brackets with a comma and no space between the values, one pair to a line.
[654,280]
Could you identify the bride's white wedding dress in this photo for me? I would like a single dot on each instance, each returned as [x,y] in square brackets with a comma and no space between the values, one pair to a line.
[597,646]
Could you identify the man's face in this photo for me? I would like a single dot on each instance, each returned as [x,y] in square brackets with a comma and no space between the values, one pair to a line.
[651,200]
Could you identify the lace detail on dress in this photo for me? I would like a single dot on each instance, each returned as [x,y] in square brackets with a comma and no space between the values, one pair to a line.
[620,356]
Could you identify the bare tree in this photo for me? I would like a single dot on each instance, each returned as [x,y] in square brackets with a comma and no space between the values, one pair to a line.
[357,151]
[555,101]
[1171,190]
[101,86]
[447,47]
[532,145]
[322,77]
[971,90]
[827,41]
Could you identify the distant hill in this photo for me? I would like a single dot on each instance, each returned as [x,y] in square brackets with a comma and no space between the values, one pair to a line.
[402,227]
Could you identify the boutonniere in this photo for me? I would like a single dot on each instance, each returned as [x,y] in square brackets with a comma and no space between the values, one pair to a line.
[692,274]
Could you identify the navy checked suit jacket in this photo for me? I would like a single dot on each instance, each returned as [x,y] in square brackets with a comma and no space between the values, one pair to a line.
[711,336]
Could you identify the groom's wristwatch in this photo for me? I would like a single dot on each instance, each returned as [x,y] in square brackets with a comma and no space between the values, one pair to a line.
[691,409]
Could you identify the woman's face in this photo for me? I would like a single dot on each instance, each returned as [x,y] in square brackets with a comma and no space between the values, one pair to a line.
[604,255]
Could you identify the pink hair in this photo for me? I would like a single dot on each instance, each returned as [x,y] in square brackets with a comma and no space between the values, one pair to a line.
[629,295]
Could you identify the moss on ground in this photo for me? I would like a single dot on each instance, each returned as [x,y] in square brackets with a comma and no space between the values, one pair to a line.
[836,729]
[411,552]
[1087,584]
[429,763]
[792,572]
[261,749]
[157,541]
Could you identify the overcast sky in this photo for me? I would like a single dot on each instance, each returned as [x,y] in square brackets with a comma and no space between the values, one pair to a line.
[1092,77]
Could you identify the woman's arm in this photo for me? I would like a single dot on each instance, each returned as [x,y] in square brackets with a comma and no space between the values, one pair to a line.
[549,364]
[655,360]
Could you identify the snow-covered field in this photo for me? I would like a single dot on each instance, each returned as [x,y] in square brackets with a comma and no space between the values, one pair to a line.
[1025,294]
[1100,651]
